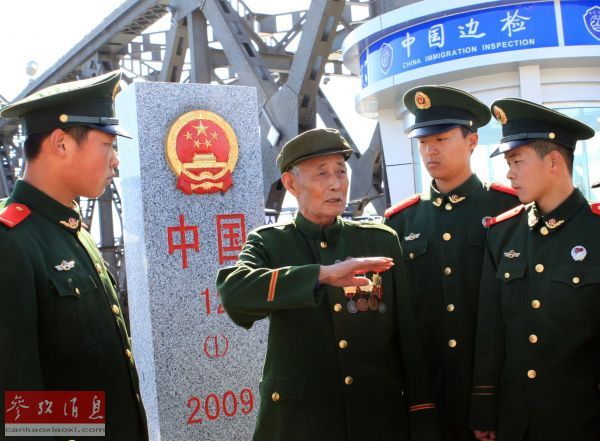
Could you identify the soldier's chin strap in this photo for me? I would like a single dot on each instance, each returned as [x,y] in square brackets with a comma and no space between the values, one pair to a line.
[102,120]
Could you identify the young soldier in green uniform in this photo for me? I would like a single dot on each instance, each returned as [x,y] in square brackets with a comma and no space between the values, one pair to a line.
[61,325]
[537,360]
[442,233]
[343,361]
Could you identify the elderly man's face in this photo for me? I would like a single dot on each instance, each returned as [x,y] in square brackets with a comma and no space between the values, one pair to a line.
[320,185]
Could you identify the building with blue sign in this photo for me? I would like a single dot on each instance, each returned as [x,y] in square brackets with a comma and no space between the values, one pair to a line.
[543,51]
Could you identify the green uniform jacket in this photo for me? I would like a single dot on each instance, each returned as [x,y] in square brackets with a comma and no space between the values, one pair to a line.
[62,329]
[537,362]
[443,236]
[330,375]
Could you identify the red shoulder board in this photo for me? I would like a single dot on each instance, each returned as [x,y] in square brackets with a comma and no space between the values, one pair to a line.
[595,208]
[503,188]
[14,214]
[402,205]
[504,216]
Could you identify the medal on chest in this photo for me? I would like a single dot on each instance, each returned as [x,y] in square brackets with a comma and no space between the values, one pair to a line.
[367,297]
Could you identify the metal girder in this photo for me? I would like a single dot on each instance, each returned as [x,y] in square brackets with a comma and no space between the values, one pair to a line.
[237,43]
[313,51]
[176,47]
[200,71]
[367,178]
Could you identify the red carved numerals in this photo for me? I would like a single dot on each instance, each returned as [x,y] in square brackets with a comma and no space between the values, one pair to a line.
[207,302]
[214,407]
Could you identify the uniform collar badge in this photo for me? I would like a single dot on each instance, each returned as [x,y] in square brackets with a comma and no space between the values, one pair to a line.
[511,254]
[412,236]
[578,253]
[437,202]
[455,199]
[71,223]
[533,217]
[553,223]
[65,266]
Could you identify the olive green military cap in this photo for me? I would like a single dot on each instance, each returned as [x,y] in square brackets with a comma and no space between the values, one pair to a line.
[86,102]
[523,122]
[438,109]
[315,142]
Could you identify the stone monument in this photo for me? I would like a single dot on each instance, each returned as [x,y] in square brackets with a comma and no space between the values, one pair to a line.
[192,188]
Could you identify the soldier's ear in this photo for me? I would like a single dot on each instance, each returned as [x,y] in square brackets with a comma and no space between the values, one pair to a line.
[473,140]
[289,182]
[55,143]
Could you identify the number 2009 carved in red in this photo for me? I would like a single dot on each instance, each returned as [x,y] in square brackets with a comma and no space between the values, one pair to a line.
[213,405]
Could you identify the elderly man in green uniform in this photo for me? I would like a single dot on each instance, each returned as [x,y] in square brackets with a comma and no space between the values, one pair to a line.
[442,233]
[537,359]
[61,326]
[343,361]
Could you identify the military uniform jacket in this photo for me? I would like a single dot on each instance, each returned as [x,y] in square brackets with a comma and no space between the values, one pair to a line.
[538,340]
[442,237]
[61,327]
[329,374]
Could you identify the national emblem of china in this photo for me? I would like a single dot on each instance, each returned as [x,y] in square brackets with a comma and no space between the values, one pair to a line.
[202,151]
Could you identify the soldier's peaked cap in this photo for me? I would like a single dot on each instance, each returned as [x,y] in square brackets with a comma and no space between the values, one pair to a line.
[438,109]
[524,121]
[315,142]
[88,102]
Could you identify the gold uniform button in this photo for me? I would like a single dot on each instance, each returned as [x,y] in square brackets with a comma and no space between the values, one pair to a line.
[450,307]
[535,304]
[275,396]
[115,309]
[411,255]
[447,271]
[551,135]
[576,280]
[531,374]
[323,244]
[533,338]
[448,206]
[544,231]
[337,307]
[98,268]
[343,344]
[446,236]
[348,380]
[129,354]
[539,268]
[506,275]
[452,343]
[77,292]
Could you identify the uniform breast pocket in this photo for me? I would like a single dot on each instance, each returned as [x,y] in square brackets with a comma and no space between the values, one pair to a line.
[575,293]
[513,287]
[476,242]
[79,307]
[415,254]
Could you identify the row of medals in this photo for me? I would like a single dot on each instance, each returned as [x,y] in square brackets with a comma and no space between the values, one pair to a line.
[369,296]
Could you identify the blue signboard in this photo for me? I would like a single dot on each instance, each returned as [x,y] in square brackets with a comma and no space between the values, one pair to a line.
[581,22]
[485,31]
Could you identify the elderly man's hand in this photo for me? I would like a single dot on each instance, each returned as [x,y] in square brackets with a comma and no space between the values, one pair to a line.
[485,435]
[344,273]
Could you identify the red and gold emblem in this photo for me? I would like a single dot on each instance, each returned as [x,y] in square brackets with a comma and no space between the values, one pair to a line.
[202,151]
[422,101]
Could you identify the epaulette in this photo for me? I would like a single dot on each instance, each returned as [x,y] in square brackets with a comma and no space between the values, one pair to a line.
[595,208]
[504,216]
[402,205]
[375,225]
[279,225]
[503,188]
[13,214]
